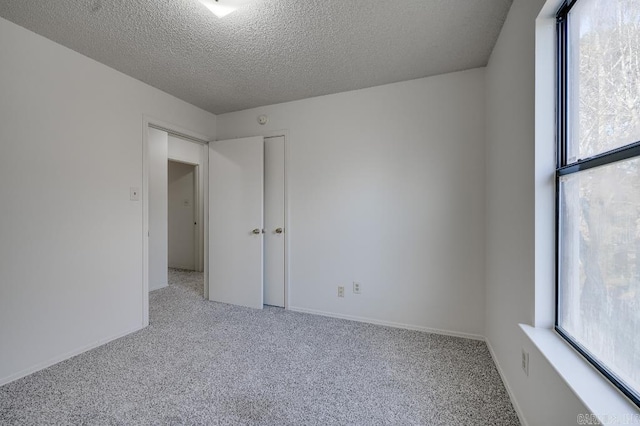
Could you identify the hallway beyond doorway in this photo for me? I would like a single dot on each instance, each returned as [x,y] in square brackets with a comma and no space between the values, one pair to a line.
[191,280]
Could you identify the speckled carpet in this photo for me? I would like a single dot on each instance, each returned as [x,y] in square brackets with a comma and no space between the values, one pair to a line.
[200,362]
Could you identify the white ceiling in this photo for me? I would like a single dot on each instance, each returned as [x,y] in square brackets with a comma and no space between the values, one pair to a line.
[269,51]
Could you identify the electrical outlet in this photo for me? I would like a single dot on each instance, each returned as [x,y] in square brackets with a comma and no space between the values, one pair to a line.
[356,287]
[340,291]
[525,362]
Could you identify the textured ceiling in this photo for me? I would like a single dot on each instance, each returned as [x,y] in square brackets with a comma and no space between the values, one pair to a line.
[269,51]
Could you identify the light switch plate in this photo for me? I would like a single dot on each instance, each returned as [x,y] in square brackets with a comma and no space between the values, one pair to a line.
[134,194]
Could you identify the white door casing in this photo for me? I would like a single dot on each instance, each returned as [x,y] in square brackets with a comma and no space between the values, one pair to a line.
[236,191]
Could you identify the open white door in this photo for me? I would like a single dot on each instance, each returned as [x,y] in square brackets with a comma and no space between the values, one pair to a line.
[236,190]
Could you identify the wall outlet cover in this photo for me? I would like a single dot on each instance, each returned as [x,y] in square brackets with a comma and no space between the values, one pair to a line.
[525,362]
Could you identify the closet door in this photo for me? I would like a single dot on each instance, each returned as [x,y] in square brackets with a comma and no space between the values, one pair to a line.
[274,215]
[236,191]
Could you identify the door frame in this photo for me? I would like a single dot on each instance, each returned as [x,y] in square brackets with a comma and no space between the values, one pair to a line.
[181,132]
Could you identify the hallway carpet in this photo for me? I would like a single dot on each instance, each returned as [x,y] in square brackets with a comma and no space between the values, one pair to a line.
[209,363]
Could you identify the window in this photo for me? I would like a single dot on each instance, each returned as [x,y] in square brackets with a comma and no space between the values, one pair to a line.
[598,186]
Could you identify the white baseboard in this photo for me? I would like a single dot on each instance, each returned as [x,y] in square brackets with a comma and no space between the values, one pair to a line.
[387,323]
[63,357]
[512,397]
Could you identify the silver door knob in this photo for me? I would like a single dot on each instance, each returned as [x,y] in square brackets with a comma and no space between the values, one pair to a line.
[256,231]
[279,231]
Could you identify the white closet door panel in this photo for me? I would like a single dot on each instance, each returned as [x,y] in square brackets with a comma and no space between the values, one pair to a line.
[274,243]
[236,188]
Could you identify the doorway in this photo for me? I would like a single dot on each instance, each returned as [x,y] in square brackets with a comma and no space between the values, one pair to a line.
[175,174]
[182,208]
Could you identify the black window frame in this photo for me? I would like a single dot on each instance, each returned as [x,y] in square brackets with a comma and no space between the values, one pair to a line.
[563,168]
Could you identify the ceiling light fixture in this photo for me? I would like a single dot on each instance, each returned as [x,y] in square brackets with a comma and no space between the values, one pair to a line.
[222,8]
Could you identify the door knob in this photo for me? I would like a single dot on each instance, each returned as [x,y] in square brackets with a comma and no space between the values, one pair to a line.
[279,231]
[255,231]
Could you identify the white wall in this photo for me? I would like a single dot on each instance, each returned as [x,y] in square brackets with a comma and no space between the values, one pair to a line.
[181,216]
[70,240]
[385,187]
[542,398]
[158,147]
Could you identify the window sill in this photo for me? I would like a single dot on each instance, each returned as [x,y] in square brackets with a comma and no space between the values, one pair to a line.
[592,388]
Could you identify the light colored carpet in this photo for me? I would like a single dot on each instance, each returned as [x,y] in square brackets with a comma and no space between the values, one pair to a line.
[209,363]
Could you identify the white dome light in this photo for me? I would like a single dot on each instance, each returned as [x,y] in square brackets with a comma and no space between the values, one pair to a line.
[222,8]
